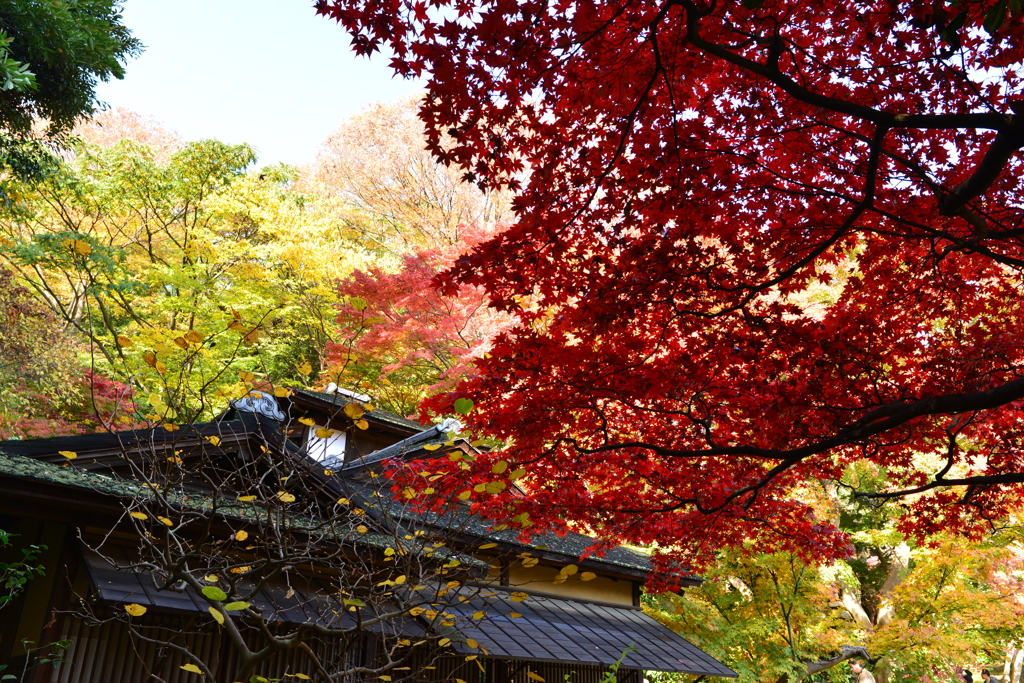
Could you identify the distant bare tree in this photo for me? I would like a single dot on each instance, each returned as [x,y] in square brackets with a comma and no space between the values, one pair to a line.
[378,162]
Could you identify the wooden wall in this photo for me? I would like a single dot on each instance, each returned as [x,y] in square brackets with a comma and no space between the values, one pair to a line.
[108,653]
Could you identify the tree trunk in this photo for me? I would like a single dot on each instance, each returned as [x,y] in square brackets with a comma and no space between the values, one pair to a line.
[1016,663]
[882,672]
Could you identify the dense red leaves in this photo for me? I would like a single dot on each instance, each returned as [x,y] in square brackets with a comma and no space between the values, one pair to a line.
[752,246]
[404,338]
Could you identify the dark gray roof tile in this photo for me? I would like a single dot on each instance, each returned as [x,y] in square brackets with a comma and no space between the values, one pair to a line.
[554,629]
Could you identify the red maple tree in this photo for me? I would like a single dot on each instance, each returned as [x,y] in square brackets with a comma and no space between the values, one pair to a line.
[404,339]
[755,241]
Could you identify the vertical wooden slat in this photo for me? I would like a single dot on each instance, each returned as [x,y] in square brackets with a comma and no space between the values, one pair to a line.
[106,654]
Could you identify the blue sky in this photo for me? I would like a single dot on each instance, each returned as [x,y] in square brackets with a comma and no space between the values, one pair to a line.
[267,72]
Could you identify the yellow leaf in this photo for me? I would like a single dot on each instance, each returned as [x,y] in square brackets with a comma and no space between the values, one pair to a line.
[139,515]
[499,466]
[328,473]
[192,668]
[385,678]
[135,610]
[165,521]
[465,495]
[369,407]
[534,677]
[323,433]
[246,376]
[124,342]
[354,410]
[214,440]
[431,446]
[514,615]
[569,569]
[479,615]
[82,247]
[212,578]
[400,580]
[488,546]
[180,342]
[472,643]
[304,368]
[170,427]
[237,327]
[217,615]
[343,501]
[517,474]
[282,392]
[251,338]
[306,421]
[70,455]
[362,424]
[302,676]
[519,596]
[495,487]
[240,570]
[194,337]
[160,367]
[588,576]
[285,497]
[361,529]
[150,358]
[176,460]
[241,535]
[246,499]
[444,642]
[530,562]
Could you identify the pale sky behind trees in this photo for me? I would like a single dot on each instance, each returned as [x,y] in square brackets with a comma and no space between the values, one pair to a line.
[267,72]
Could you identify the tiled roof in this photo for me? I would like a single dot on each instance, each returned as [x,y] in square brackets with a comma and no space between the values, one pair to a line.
[30,468]
[416,442]
[567,548]
[71,476]
[126,440]
[384,416]
[570,546]
[558,630]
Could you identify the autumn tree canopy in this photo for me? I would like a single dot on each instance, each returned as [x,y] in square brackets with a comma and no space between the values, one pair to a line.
[376,162]
[52,55]
[755,242]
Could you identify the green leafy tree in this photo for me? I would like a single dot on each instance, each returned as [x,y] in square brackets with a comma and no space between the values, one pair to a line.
[52,55]
[166,263]
[16,572]
[56,53]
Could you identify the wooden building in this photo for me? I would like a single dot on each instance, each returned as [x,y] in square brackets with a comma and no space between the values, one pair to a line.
[575,628]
